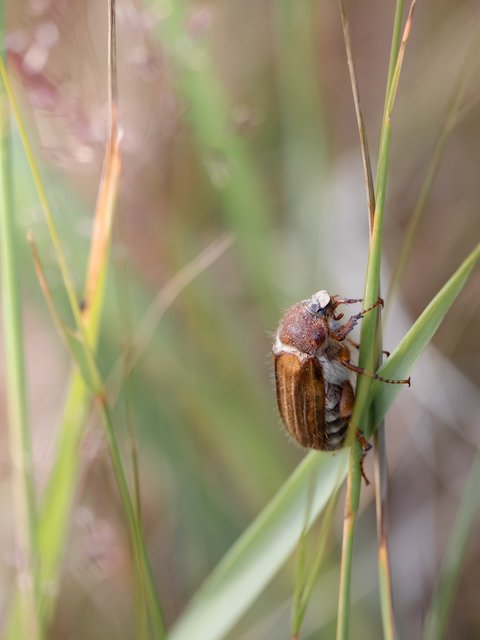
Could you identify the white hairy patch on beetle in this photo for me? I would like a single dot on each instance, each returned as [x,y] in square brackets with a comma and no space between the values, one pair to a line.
[280,349]
[322,297]
[333,370]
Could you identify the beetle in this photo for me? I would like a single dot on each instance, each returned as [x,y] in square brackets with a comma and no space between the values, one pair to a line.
[312,359]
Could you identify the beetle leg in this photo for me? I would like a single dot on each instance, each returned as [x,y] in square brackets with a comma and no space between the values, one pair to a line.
[352,367]
[366,446]
[347,399]
[357,346]
[338,301]
[341,333]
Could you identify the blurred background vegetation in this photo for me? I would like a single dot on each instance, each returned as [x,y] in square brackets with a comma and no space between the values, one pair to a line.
[239,139]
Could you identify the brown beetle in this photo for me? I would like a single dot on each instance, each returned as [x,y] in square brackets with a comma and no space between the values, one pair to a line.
[313,368]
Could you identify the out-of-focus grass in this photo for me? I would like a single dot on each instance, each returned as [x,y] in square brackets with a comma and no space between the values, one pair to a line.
[18,414]
[211,450]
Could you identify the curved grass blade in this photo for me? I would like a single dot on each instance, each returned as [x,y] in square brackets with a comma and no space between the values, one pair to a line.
[307,575]
[87,361]
[403,358]
[267,543]
[224,154]
[442,599]
[451,119]
[16,398]
[261,550]
[370,328]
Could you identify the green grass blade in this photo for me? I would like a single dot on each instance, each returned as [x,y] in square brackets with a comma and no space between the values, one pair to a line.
[367,165]
[442,600]
[225,155]
[449,123]
[370,326]
[403,358]
[306,583]
[381,475]
[261,550]
[56,508]
[372,284]
[384,564]
[24,512]
[92,378]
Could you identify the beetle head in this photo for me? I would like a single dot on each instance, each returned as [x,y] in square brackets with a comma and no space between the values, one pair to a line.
[318,304]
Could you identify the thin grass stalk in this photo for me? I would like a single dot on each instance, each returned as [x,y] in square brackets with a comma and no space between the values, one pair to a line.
[384,564]
[96,277]
[99,392]
[443,596]
[20,438]
[394,47]
[134,524]
[380,448]
[59,494]
[226,157]
[163,300]
[133,448]
[42,196]
[354,480]
[306,583]
[300,569]
[450,121]
[369,336]
[381,464]
[367,165]
[300,564]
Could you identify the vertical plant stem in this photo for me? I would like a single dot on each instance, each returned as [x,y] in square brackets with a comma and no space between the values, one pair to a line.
[384,565]
[354,480]
[442,599]
[380,461]
[146,596]
[370,327]
[449,123]
[20,439]
[53,523]
[307,573]
[367,165]
[394,47]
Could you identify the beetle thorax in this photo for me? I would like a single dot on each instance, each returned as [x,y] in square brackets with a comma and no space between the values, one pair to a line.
[301,332]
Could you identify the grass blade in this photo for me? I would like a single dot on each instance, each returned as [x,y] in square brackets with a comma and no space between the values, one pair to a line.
[24,511]
[141,565]
[224,154]
[306,583]
[369,334]
[261,550]
[442,599]
[55,512]
[401,361]
[384,564]
[381,464]
[449,123]
[367,165]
